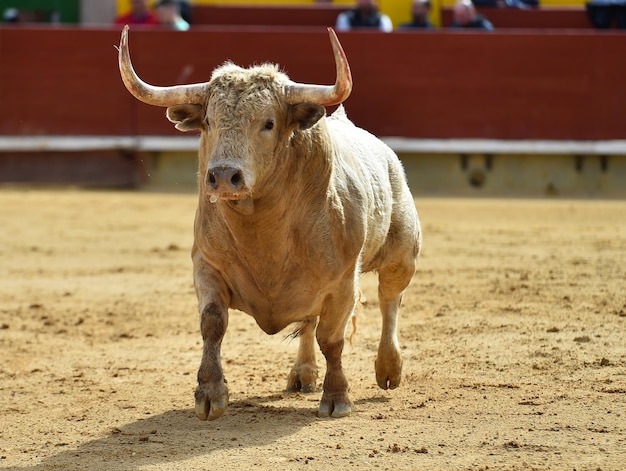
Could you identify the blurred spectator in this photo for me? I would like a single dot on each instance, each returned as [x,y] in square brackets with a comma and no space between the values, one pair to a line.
[11,15]
[139,15]
[185,10]
[601,13]
[465,16]
[522,3]
[364,15]
[168,12]
[28,15]
[420,9]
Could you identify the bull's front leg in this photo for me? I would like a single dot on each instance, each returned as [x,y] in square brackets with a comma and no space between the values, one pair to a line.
[212,393]
[330,336]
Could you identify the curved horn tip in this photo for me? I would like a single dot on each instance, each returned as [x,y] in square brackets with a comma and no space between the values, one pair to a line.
[123,40]
[321,94]
[334,40]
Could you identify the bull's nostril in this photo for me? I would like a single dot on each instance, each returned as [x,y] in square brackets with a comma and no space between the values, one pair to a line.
[211,179]
[236,179]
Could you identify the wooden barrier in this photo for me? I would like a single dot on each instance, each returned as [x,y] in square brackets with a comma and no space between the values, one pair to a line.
[532,18]
[61,81]
[440,85]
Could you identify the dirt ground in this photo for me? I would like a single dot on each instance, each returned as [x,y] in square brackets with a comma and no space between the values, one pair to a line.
[513,336]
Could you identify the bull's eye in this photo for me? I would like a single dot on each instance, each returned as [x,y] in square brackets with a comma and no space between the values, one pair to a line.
[269,124]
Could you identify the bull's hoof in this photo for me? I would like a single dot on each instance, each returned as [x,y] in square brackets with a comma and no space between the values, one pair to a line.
[302,378]
[211,405]
[334,406]
[386,383]
[388,370]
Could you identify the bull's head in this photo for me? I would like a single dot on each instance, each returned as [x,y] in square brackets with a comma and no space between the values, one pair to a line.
[246,116]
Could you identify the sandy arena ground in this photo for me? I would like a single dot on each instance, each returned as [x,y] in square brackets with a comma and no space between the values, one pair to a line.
[513,336]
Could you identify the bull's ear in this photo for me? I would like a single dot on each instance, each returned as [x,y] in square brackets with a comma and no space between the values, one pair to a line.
[306,114]
[187,117]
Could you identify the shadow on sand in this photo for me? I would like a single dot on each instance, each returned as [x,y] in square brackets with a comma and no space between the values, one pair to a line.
[177,435]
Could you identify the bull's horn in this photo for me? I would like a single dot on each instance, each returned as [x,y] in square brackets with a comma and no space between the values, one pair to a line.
[325,95]
[150,94]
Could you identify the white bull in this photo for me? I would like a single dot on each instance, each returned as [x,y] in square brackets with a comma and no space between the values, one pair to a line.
[293,207]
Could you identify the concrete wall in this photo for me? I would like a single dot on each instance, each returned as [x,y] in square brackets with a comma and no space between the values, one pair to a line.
[453,174]
[517,175]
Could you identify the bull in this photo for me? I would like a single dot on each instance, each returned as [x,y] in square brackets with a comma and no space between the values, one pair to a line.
[293,206]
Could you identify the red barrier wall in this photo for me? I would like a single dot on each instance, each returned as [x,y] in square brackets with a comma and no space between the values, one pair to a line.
[62,81]
[501,85]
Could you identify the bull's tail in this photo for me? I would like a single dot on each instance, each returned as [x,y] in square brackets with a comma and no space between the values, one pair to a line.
[353,333]
[357,310]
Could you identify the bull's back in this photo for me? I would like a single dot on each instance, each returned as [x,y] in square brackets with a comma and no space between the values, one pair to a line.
[377,177]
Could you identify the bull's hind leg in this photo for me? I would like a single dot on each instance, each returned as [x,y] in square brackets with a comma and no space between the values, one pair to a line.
[392,281]
[303,375]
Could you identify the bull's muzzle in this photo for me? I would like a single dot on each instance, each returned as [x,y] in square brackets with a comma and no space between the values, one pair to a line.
[225,180]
